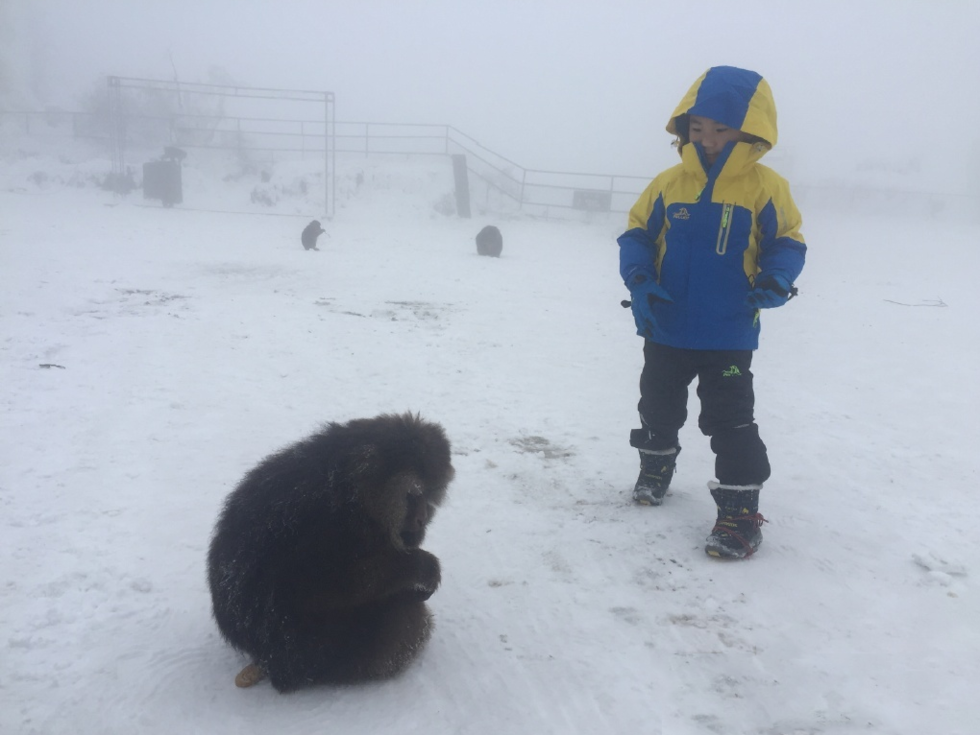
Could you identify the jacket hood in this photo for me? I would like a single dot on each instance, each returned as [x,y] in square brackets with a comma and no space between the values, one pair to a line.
[735,97]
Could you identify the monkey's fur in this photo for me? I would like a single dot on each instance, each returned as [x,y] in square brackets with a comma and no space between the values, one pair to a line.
[489,241]
[314,566]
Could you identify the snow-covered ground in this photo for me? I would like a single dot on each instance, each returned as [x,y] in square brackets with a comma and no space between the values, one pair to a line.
[151,356]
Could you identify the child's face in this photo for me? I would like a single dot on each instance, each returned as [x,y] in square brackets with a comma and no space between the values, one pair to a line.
[712,135]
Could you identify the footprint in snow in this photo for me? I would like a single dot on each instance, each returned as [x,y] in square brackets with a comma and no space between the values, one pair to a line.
[940,571]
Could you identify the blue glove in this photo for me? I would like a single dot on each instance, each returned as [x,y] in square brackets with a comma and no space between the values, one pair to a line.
[644,291]
[770,292]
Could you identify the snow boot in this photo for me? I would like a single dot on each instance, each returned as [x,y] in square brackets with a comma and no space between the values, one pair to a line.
[656,471]
[738,530]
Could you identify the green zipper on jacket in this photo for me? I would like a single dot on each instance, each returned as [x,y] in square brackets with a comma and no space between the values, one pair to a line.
[721,247]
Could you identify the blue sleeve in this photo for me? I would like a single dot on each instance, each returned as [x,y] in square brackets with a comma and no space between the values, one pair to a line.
[638,245]
[782,251]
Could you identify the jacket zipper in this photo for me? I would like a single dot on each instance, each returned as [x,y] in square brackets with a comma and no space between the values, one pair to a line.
[721,247]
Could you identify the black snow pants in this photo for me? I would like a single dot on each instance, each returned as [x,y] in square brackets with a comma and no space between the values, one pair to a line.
[727,405]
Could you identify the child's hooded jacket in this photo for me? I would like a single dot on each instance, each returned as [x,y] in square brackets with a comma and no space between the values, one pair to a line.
[706,235]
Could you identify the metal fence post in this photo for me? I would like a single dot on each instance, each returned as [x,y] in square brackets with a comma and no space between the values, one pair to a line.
[329,155]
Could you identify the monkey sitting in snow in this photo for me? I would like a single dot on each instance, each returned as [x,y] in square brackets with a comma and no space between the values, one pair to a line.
[315,566]
[310,234]
[489,242]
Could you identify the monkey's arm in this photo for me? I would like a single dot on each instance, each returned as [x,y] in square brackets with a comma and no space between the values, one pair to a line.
[377,577]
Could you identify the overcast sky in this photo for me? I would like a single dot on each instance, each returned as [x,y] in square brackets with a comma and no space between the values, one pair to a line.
[568,85]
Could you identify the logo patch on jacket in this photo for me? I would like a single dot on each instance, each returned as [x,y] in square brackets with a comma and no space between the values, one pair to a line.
[682,213]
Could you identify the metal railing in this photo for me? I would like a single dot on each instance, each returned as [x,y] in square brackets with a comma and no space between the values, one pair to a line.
[530,190]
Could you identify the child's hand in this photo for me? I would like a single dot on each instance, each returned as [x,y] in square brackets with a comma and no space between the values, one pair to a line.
[770,292]
[645,292]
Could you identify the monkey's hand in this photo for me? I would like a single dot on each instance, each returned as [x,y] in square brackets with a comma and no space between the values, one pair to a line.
[249,676]
[427,577]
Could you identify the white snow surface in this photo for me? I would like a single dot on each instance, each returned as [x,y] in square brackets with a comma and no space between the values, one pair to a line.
[186,344]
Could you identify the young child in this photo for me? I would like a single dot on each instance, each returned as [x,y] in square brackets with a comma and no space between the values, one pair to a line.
[710,242]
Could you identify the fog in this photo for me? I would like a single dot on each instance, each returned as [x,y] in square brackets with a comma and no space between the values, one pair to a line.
[860,86]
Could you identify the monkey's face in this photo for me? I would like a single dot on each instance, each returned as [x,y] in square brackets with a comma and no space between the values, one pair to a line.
[402,507]
[417,514]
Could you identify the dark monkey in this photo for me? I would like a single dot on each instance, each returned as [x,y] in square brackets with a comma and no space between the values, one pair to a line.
[489,241]
[314,566]
[310,233]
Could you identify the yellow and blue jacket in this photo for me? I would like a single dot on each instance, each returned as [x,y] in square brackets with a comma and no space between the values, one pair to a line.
[706,233]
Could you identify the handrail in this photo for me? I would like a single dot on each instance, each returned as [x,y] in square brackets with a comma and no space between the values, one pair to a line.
[518,183]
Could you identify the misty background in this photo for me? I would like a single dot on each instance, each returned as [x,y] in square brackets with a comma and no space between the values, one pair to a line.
[884,92]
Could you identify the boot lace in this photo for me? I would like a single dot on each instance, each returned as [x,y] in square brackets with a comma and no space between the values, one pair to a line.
[731,526]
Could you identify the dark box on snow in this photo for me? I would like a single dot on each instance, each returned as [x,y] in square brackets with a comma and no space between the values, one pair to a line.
[162,180]
[591,200]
